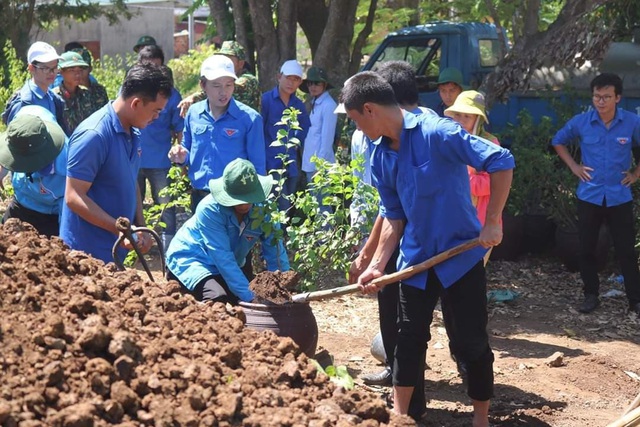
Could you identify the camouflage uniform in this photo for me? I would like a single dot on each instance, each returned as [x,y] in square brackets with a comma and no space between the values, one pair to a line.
[247,88]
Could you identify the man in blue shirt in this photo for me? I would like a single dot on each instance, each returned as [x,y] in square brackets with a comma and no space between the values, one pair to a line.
[103,163]
[419,167]
[274,102]
[606,135]
[43,67]
[156,141]
[207,252]
[218,130]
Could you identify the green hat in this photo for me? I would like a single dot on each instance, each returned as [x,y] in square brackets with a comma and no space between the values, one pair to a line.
[30,143]
[144,41]
[451,75]
[86,55]
[468,102]
[71,59]
[240,183]
[315,74]
[232,48]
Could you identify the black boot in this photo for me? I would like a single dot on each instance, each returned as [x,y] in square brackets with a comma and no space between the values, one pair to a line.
[382,378]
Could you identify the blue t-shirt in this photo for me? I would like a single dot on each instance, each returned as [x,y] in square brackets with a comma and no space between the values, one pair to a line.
[272,107]
[426,183]
[213,242]
[103,153]
[155,139]
[607,151]
[213,144]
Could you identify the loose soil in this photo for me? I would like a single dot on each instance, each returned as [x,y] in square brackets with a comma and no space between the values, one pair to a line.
[82,345]
[274,286]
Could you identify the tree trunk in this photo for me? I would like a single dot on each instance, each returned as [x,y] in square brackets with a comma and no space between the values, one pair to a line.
[273,46]
[356,54]
[312,17]
[222,18]
[242,36]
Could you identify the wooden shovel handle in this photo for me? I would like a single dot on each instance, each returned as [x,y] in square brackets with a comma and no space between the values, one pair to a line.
[389,278]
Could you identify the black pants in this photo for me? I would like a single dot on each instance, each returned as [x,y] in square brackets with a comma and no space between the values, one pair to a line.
[622,229]
[46,224]
[467,300]
[388,308]
[211,288]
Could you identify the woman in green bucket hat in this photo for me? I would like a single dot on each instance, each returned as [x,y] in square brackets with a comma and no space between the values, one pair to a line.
[469,111]
[208,251]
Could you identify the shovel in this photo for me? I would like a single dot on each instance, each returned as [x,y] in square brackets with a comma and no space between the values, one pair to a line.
[388,278]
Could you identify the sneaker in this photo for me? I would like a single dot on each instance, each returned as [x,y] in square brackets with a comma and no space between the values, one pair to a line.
[590,303]
[382,378]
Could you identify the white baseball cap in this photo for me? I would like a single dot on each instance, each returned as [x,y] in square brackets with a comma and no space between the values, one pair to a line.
[217,66]
[42,52]
[291,68]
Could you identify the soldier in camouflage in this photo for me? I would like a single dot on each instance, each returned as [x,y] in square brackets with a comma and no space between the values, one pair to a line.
[97,92]
[247,88]
[78,99]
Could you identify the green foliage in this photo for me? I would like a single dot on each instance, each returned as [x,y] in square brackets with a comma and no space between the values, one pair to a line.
[14,74]
[110,72]
[338,375]
[178,191]
[186,69]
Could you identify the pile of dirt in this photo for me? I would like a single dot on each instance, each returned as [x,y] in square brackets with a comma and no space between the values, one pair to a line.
[84,345]
[274,286]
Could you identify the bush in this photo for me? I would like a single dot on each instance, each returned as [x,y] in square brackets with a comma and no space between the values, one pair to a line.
[186,69]
[14,74]
[111,71]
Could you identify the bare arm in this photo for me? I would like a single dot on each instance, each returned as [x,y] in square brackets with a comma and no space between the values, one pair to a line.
[491,233]
[578,170]
[366,253]
[76,198]
[391,231]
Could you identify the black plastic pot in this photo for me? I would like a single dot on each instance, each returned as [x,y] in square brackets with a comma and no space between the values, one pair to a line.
[512,241]
[567,248]
[294,320]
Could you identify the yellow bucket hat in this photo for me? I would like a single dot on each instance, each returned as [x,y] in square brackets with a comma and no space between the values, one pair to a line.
[468,102]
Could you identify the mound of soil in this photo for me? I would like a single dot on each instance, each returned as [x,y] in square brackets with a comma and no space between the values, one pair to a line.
[274,286]
[82,345]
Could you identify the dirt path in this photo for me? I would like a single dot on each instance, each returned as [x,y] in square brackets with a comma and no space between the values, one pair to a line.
[590,389]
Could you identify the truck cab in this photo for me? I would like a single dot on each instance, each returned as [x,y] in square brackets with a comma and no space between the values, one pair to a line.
[472,47]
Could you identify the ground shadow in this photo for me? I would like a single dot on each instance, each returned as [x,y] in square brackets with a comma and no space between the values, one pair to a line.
[519,348]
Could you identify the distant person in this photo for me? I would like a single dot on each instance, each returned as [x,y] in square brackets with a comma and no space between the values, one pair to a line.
[88,79]
[43,68]
[274,102]
[144,41]
[77,97]
[218,130]
[605,136]
[450,85]
[247,88]
[322,132]
[103,163]
[34,148]
[156,141]
[208,251]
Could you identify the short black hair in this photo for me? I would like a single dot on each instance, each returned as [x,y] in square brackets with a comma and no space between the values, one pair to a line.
[364,87]
[73,46]
[607,79]
[402,77]
[150,52]
[146,81]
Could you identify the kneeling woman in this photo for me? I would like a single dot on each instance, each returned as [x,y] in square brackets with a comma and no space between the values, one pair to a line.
[207,252]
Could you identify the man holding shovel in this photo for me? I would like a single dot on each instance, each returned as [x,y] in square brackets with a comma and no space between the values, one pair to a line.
[419,167]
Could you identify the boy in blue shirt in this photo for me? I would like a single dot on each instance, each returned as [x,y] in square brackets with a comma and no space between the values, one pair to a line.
[103,163]
[606,135]
[419,167]
[273,103]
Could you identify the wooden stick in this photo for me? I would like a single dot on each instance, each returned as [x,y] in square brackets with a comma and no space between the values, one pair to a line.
[634,405]
[631,419]
[389,278]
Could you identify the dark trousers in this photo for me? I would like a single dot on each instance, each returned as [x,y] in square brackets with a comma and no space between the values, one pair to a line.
[620,221]
[46,224]
[467,300]
[388,308]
